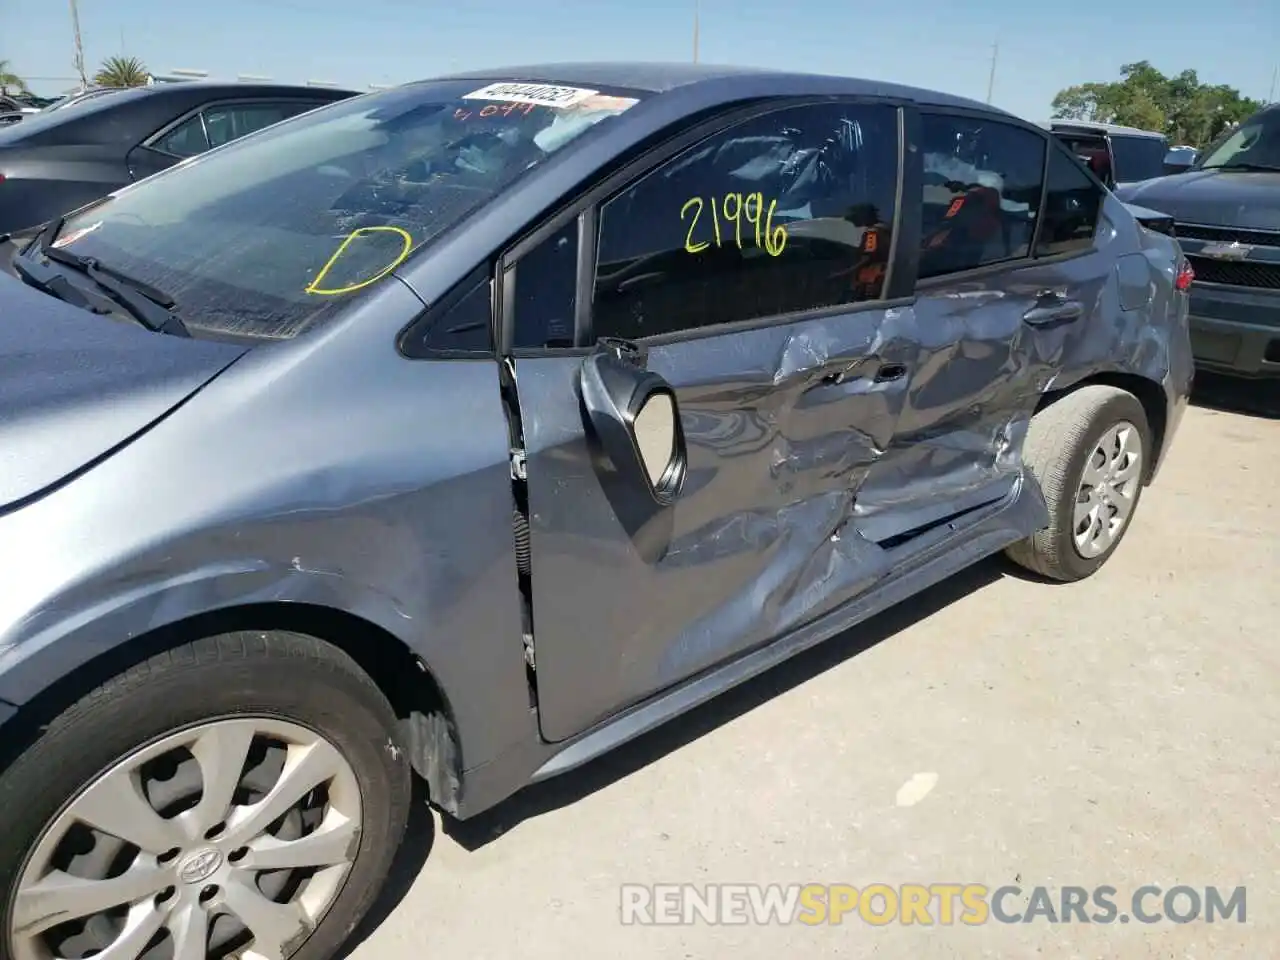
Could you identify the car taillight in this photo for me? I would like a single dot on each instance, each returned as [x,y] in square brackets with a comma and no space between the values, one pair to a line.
[1185,276]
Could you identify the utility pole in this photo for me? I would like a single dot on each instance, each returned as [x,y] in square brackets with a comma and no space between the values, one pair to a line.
[697,5]
[991,80]
[79,59]
[1275,75]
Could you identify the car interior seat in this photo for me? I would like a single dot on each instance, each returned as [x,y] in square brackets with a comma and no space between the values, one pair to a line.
[972,231]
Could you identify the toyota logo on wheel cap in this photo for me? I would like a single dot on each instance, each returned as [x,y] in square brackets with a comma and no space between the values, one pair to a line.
[200,866]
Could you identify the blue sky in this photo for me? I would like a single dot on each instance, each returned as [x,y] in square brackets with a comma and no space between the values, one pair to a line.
[1044,45]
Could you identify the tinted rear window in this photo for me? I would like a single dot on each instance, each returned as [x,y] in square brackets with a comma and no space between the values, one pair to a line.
[1138,158]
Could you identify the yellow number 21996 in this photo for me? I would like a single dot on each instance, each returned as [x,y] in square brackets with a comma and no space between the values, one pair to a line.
[735,208]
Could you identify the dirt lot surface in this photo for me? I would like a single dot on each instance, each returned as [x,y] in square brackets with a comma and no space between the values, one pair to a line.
[1123,731]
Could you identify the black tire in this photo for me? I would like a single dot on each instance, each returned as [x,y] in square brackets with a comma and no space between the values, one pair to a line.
[1060,439]
[277,675]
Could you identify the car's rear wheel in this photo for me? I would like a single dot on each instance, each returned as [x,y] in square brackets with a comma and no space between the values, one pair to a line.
[1090,452]
[243,795]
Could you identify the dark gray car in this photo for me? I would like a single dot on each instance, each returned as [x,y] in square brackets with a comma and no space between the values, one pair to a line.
[472,428]
[79,150]
[1227,214]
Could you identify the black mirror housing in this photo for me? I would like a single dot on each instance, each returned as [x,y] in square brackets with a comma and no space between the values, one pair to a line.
[635,417]
[632,420]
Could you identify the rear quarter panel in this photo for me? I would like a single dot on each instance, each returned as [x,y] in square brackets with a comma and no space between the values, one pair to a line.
[1152,339]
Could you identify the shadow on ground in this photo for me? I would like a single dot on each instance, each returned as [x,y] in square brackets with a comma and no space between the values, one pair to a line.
[614,766]
[1254,398]
[631,757]
[418,841]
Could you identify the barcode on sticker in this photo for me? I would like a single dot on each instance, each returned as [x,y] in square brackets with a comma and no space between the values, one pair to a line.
[542,94]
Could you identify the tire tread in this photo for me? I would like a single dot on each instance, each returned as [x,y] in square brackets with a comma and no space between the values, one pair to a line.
[1053,434]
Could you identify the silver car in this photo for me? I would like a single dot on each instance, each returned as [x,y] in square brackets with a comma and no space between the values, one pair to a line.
[470,429]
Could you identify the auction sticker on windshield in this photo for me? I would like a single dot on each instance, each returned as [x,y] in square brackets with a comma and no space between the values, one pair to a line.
[541,94]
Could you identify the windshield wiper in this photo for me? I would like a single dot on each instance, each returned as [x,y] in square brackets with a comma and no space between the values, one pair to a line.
[53,283]
[151,307]
[1247,167]
[35,235]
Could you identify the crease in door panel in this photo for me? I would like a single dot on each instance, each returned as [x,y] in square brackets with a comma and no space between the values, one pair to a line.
[817,459]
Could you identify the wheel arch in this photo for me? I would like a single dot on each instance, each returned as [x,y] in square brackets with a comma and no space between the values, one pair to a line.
[1149,393]
[427,721]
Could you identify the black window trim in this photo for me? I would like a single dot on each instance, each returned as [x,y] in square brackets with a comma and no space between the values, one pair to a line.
[585,207]
[150,141]
[410,342]
[1031,259]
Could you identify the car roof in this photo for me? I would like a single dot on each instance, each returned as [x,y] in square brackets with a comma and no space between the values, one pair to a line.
[129,115]
[1110,128]
[662,77]
[241,87]
[98,100]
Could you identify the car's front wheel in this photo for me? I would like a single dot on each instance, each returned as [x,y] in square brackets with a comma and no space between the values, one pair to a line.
[1090,453]
[242,795]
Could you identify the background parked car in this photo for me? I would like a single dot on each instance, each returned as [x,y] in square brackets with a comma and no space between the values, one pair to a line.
[1116,154]
[60,159]
[15,107]
[81,96]
[15,103]
[1180,159]
[27,106]
[1227,217]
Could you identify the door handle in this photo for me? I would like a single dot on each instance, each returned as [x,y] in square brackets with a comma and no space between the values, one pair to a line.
[890,371]
[869,368]
[1058,310]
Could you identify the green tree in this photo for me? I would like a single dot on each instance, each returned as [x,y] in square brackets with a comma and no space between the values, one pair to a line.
[10,80]
[1181,107]
[121,72]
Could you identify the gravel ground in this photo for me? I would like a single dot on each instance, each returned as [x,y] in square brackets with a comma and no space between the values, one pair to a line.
[1122,731]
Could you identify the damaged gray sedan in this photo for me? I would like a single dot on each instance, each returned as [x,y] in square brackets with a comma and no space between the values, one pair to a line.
[473,428]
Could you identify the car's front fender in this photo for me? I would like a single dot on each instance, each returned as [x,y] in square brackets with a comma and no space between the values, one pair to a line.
[63,636]
[67,634]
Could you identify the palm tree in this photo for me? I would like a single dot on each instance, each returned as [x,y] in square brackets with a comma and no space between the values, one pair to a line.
[121,72]
[10,80]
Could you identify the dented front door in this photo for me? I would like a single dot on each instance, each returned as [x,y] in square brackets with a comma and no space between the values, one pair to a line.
[781,425]
[770,212]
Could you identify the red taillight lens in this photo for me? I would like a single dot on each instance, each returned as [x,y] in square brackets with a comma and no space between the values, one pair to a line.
[1185,277]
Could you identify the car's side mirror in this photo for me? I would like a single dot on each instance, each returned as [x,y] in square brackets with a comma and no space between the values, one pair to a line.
[1180,160]
[632,416]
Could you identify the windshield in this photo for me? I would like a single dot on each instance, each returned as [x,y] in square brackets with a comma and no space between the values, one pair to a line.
[270,234]
[1256,142]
